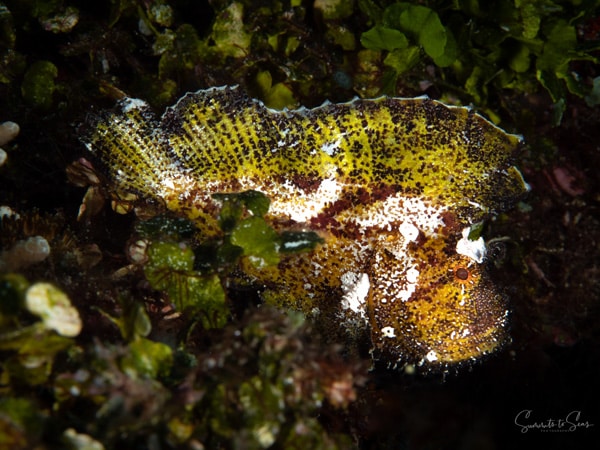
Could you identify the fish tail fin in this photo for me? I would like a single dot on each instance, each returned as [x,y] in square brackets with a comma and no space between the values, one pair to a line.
[126,143]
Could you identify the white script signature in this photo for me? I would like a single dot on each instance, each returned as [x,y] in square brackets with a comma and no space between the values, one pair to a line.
[573,421]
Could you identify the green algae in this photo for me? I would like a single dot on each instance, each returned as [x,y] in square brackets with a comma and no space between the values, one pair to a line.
[193,276]
[38,84]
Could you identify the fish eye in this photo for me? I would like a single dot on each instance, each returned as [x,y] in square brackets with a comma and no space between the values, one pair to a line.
[462,274]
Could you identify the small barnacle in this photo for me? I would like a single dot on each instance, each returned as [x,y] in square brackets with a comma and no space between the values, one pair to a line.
[394,189]
[8,131]
[73,439]
[61,22]
[24,253]
[32,239]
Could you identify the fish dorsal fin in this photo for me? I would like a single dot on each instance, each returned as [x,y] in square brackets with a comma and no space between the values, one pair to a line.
[417,146]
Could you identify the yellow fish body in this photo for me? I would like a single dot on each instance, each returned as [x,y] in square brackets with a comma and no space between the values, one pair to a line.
[392,185]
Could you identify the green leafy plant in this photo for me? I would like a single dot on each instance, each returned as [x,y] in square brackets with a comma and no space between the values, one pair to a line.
[484,47]
[423,26]
[170,268]
[193,276]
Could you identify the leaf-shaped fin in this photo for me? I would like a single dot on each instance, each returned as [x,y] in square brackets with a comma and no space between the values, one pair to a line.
[415,146]
[129,145]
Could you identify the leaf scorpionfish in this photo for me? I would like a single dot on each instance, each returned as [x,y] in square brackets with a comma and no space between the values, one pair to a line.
[392,185]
